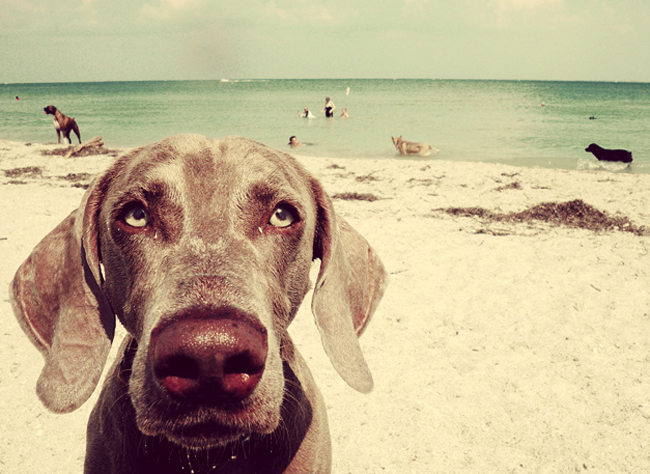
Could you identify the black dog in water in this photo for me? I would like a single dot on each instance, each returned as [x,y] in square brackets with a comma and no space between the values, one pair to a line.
[603,154]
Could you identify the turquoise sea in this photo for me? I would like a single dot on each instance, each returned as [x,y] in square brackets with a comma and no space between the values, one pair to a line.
[488,121]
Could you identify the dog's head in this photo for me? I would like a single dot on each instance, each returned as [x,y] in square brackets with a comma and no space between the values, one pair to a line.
[49,110]
[202,248]
[397,140]
[593,148]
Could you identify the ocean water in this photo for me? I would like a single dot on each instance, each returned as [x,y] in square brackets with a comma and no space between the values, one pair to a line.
[488,121]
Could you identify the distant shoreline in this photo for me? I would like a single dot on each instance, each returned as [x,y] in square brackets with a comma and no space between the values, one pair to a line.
[342,79]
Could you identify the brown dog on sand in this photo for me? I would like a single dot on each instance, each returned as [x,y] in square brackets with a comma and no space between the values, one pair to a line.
[413,148]
[63,123]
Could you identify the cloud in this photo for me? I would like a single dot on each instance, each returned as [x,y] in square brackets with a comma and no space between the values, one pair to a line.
[524,13]
[272,10]
[28,17]
[320,12]
[298,13]
[168,9]
[504,5]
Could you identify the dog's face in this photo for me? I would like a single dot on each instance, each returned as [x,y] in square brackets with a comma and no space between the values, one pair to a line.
[592,148]
[217,235]
[49,110]
[396,140]
[206,247]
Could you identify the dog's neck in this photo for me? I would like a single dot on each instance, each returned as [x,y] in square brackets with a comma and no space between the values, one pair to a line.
[57,116]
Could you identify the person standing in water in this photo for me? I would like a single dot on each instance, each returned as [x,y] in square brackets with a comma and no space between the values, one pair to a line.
[329,107]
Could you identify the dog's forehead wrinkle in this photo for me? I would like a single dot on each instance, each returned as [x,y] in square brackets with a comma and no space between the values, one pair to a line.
[151,190]
[273,184]
[207,176]
[217,189]
[164,159]
[170,173]
[230,165]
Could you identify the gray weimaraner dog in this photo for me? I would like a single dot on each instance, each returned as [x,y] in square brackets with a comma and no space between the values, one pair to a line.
[202,248]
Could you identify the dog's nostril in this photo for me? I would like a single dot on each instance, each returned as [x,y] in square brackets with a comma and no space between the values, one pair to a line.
[179,375]
[243,364]
[178,366]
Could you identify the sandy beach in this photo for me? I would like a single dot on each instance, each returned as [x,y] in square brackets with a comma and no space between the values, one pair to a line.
[513,337]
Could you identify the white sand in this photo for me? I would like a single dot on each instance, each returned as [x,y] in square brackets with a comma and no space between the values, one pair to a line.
[498,348]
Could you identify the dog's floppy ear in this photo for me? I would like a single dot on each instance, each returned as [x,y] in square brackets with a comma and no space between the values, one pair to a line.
[56,297]
[348,289]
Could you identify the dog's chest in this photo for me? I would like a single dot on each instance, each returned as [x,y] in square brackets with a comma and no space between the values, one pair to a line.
[56,123]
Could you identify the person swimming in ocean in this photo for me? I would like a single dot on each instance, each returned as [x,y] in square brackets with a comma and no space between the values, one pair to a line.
[306,113]
[293,142]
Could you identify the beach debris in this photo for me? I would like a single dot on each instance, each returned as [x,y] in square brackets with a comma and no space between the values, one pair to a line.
[505,187]
[496,232]
[356,197]
[575,214]
[87,145]
[26,172]
[368,177]
[75,177]
[421,182]
[78,180]
[35,173]
[91,147]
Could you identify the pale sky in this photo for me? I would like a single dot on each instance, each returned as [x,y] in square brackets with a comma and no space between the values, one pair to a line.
[113,40]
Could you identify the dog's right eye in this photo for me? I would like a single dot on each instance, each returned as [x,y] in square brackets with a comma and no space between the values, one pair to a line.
[136,216]
[283,216]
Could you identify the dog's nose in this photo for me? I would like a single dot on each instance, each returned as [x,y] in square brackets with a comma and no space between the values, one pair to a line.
[209,360]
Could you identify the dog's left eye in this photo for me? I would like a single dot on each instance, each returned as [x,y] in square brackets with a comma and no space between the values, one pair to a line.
[136,216]
[283,216]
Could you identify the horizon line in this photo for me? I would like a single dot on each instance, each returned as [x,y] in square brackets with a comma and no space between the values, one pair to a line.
[251,79]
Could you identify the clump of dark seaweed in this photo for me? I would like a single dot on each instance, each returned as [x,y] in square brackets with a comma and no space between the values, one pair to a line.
[356,197]
[29,171]
[574,214]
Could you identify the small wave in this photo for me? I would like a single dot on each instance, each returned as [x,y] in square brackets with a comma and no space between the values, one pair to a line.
[593,165]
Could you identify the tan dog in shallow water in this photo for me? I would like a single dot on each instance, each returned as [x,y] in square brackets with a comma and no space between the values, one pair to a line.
[412,148]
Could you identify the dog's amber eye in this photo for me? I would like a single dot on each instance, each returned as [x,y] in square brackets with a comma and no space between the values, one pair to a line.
[283,216]
[136,216]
